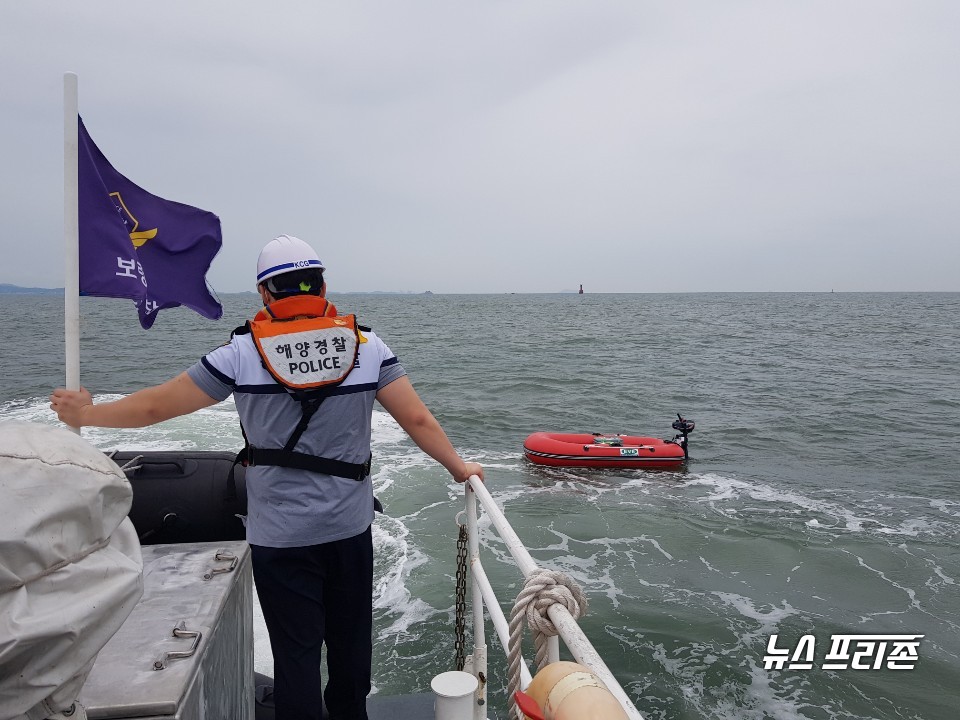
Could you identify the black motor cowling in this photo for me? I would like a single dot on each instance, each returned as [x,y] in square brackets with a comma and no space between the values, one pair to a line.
[684,427]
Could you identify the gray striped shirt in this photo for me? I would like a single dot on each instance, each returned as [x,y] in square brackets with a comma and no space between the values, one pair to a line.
[288,507]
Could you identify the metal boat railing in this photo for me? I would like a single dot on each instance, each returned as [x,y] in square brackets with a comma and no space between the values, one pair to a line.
[483,596]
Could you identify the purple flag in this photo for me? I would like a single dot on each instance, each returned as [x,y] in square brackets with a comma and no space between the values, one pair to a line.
[139,246]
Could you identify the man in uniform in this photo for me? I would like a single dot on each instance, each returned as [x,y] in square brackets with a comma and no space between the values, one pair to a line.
[306,415]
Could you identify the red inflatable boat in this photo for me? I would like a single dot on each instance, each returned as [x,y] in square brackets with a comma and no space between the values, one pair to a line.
[608,451]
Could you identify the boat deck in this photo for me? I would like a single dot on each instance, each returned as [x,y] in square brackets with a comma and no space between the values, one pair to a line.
[418,706]
[414,707]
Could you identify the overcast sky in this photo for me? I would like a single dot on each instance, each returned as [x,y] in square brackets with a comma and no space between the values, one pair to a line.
[509,146]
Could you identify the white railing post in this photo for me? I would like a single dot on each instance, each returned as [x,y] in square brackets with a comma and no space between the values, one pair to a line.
[476,601]
[497,617]
[553,649]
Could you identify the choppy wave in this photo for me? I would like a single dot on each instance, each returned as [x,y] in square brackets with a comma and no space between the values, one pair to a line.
[838,510]
[821,497]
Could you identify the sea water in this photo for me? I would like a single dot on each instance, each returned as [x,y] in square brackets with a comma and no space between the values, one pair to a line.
[820,500]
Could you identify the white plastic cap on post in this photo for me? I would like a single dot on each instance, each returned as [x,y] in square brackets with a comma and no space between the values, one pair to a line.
[454,692]
[284,254]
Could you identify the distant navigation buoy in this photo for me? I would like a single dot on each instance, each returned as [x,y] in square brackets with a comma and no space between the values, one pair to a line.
[581,288]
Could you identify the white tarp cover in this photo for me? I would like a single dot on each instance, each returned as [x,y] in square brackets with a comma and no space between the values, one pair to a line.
[70,565]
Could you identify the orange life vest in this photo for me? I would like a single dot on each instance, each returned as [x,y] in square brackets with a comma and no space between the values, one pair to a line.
[306,347]
[304,344]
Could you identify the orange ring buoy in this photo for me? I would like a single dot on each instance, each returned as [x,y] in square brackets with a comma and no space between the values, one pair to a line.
[569,691]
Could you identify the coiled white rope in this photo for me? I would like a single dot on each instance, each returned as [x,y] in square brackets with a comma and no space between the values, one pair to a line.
[542,589]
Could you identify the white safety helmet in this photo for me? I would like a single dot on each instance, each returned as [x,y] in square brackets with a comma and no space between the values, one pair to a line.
[284,254]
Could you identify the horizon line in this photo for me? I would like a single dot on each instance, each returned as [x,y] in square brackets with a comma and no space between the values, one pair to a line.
[26,290]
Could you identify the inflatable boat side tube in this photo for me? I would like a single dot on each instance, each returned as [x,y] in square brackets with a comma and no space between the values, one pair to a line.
[186,496]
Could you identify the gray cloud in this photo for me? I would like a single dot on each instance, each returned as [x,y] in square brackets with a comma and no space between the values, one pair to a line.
[529,147]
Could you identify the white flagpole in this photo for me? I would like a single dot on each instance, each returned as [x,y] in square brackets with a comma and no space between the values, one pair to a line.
[71,234]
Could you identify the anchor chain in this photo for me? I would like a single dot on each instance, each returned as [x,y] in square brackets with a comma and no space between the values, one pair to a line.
[460,642]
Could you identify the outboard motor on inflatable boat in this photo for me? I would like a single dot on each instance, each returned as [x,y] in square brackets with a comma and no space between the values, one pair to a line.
[685,427]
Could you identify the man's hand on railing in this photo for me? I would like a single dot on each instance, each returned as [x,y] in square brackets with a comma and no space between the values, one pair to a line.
[469,468]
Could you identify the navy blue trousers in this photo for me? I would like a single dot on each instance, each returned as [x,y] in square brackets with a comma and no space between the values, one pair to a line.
[311,596]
